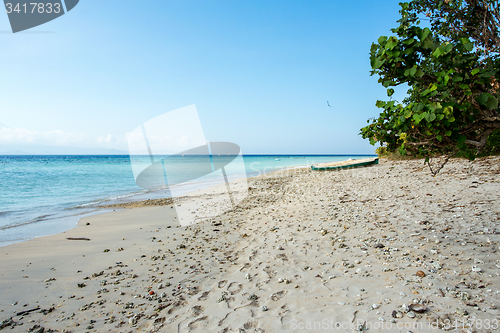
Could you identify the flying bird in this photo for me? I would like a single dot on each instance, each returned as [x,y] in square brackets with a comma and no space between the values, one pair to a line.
[328,104]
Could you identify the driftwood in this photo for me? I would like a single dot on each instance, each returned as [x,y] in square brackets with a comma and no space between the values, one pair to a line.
[27,311]
[78,238]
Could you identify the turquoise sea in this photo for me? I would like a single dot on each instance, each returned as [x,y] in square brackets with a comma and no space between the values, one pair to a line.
[43,195]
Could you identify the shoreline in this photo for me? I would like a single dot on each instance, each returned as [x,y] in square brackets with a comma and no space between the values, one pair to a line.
[129,199]
[305,246]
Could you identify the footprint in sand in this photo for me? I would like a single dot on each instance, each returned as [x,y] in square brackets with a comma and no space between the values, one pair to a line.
[204,296]
[198,323]
[278,295]
[234,288]
[222,283]
[196,310]
[250,324]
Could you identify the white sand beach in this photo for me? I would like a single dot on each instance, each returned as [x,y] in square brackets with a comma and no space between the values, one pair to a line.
[381,248]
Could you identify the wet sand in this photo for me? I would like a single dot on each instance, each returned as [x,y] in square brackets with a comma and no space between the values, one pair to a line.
[385,248]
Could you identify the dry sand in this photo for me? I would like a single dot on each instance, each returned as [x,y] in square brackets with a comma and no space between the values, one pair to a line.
[385,248]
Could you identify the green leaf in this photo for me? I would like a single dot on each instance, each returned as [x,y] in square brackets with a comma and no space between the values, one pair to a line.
[423,34]
[468,45]
[387,83]
[464,40]
[447,133]
[475,71]
[482,99]
[390,92]
[377,63]
[447,48]
[382,39]
[413,70]
[439,137]
[488,100]
[437,52]
[417,117]
[492,103]
[428,43]
[431,117]
[487,75]
[392,42]
[418,107]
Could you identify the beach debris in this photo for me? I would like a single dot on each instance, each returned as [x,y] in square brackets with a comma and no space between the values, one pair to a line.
[397,314]
[222,297]
[106,250]
[78,238]
[253,297]
[264,308]
[378,245]
[420,274]
[476,269]
[134,319]
[361,271]
[411,314]
[47,311]
[39,329]
[461,312]
[27,311]
[7,322]
[419,308]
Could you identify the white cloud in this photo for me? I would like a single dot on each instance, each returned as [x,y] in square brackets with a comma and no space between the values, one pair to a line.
[107,139]
[20,136]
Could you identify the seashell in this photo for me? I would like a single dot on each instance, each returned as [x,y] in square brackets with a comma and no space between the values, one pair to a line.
[420,274]
[419,308]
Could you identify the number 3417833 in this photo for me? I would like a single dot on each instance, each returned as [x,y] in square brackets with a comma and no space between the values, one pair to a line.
[33,8]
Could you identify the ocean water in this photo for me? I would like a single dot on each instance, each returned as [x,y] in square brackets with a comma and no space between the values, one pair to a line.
[44,195]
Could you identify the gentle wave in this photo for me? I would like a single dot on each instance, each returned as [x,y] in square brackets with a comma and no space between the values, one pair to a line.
[19,224]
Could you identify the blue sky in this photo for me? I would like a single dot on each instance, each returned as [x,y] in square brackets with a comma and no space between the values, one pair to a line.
[259,73]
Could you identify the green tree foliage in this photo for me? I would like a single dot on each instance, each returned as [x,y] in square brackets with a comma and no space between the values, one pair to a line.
[447,53]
